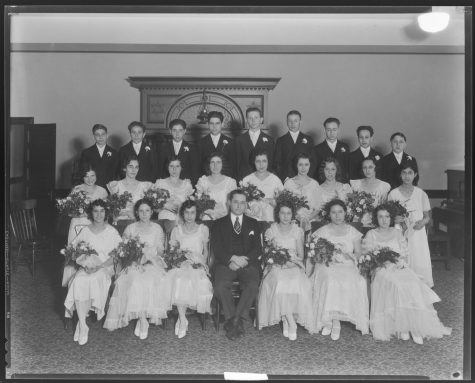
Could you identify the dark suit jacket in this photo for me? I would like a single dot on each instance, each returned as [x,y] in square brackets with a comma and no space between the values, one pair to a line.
[286,151]
[188,155]
[221,238]
[206,147]
[106,167]
[322,151]
[356,157]
[148,170]
[243,151]
[390,167]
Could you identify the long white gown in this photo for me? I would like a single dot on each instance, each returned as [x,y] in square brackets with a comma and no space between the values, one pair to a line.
[191,287]
[339,290]
[177,195]
[379,193]
[218,192]
[261,210]
[94,287]
[141,290]
[400,300]
[311,191]
[341,191]
[419,253]
[137,194]
[285,290]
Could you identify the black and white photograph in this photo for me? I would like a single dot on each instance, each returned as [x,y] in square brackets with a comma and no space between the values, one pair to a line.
[239,193]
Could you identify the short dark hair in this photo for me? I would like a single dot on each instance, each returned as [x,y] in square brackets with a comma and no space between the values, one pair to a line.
[253,109]
[174,158]
[142,201]
[295,112]
[259,152]
[298,157]
[97,202]
[365,127]
[177,121]
[411,164]
[211,156]
[369,158]
[126,160]
[321,169]
[86,167]
[98,127]
[189,203]
[331,119]
[232,193]
[385,208]
[332,203]
[398,134]
[215,114]
[281,205]
[136,123]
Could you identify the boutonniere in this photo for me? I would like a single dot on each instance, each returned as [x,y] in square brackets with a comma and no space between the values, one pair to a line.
[147,148]
[251,232]
[109,154]
[186,148]
[377,157]
[225,142]
[343,149]
[409,158]
[264,139]
[304,141]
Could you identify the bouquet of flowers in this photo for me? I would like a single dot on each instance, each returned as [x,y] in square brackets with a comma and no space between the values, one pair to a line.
[251,191]
[395,208]
[73,252]
[293,199]
[73,205]
[275,255]
[174,257]
[323,216]
[358,204]
[321,251]
[157,196]
[117,202]
[376,258]
[203,203]
[129,251]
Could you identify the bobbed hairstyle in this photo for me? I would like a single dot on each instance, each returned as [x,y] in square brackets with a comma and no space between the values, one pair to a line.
[189,203]
[142,201]
[279,206]
[93,204]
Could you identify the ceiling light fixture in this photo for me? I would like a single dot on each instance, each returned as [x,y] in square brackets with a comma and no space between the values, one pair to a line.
[434,21]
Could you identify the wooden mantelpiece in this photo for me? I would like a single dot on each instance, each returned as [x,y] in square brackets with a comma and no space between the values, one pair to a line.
[163,99]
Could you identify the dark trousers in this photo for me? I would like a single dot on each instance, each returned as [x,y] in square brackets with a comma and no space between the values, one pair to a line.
[248,278]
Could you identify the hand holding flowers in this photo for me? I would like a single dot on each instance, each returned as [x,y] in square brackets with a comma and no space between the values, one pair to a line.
[129,251]
[372,260]
[73,205]
[73,252]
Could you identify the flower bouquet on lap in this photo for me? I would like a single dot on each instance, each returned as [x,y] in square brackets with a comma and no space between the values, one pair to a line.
[360,207]
[370,261]
[78,255]
[129,252]
[322,251]
[276,256]
[117,202]
[175,257]
[204,206]
[74,205]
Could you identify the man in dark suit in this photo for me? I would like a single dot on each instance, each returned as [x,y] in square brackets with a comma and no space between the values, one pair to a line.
[185,151]
[101,156]
[247,143]
[390,162]
[365,138]
[236,245]
[216,142]
[144,149]
[331,147]
[290,145]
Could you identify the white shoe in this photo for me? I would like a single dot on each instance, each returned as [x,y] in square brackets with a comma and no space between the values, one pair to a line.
[76,333]
[144,333]
[137,328]
[404,335]
[285,326]
[293,332]
[177,326]
[326,331]
[417,339]
[335,333]
[83,336]
[182,331]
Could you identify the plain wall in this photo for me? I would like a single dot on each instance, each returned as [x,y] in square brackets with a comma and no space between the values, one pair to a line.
[421,95]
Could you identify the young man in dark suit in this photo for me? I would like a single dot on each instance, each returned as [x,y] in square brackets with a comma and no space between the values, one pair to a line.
[184,150]
[101,156]
[365,135]
[214,142]
[236,245]
[290,145]
[331,147]
[144,149]
[247,143]
[390,162]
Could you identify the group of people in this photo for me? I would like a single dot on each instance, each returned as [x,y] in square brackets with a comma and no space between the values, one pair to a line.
[317,296]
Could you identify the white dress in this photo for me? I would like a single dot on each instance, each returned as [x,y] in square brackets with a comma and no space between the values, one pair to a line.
[311,191]
[339,290]
[379,193]
[178,195]
[191,287]
[260,210]
[219,192]
[341,191]
[141,290]
[400,301]
[419,254]
[93,287]
[285,290]
[137,194]
[98,193]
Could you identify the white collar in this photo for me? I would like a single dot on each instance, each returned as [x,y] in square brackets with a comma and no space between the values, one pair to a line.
[294,135]
[233,218]
[398,156]
[332,145]
[365,151]
[177,146]
[101,150]
[215,139]
[255,134]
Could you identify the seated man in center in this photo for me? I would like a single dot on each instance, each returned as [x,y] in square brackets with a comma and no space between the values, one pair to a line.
[236,244]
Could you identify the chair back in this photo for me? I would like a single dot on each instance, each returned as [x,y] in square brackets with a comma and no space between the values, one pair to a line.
[23,220]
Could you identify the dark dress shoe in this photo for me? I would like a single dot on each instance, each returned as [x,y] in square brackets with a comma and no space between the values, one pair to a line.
[240,327]
[68,323]
[228,324]
[231,333]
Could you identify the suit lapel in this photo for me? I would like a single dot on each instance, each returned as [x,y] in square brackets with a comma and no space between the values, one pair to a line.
[247,139]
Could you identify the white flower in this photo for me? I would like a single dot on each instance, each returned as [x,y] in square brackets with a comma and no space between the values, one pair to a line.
[251,232]
[312,245]
[368,258]
[311,253]
[377,157]
[186,148]
[270,261]
[81,210]
[147,148]
[343,149]
[63,251]
[155,195]
[304,141]
[409,158]
[109,154]
[361,201]
[264,139]
[225,142]
[68,198]
[376,252]
[358,210]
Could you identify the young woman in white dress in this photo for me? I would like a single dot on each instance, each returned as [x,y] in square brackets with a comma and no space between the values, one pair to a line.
[190,287]
[141,291]
[417,204]
[339,290]
[217,186]
[130,184]
[93,192]
[89,287]
[267,182]
[331,188]
[370,184]
[307,187]
[400,302]
[285,293]
[180,190]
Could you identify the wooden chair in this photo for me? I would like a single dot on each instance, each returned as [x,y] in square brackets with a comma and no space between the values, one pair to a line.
[438,239]
[25,231]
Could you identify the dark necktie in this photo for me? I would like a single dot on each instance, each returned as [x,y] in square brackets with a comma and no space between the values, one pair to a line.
[237,226]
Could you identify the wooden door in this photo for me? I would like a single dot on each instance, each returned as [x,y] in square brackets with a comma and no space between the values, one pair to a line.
[40,172]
